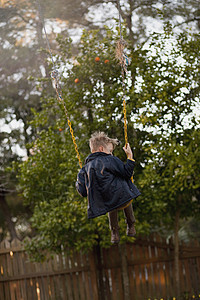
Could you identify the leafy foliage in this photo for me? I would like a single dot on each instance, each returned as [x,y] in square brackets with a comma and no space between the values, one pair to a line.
[167,101]
[48,177]
[165,147]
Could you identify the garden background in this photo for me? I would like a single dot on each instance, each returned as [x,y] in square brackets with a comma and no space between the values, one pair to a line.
[38,200]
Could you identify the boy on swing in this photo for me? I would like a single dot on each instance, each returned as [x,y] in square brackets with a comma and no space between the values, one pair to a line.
[106,181]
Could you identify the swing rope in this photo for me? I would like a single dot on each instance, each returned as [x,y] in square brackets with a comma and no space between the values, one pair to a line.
[54,76]
[61,100]
[124,62]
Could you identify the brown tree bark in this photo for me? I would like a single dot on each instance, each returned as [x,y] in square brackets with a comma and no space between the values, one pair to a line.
[40,23]
[7,215]
[176,254]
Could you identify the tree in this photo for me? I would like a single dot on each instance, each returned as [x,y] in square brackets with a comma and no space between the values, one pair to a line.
[48,177]
[137,15]
[167,98]
[18,61]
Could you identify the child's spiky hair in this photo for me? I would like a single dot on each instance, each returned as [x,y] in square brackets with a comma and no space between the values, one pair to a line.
[101,139]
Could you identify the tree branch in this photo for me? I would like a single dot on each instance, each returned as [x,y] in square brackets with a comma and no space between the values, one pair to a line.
[187,21]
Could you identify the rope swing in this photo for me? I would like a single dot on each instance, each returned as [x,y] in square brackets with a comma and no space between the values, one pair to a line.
[124,62]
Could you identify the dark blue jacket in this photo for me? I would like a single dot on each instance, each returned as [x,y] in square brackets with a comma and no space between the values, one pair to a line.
[105,180]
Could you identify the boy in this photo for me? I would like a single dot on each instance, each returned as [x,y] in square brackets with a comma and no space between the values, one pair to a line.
[106,181]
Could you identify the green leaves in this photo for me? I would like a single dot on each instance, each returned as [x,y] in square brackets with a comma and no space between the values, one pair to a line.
[165,149]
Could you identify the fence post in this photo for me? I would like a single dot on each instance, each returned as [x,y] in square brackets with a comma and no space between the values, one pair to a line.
[125,275]
[94,277]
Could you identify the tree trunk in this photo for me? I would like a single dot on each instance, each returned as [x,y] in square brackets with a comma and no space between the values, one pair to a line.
[176,254]
[41,44]
[129,25]
[90,118]
[40,23]
[7,215]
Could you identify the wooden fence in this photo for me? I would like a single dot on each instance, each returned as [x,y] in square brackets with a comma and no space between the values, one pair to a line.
[139,271]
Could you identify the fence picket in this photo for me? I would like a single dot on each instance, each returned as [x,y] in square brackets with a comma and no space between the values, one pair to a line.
[114,272]
[181,270]
[138,291]
[2,296]
[94,279]
[56,279]
[45,287]
[81,263]
[86,281]
[145,271]
[75,276]
[23,283]
[51,287]
[162,268]
[131,272]
[148,277]
[116,257]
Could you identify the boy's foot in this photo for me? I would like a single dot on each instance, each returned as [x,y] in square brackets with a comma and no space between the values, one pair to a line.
[131,230]
[115,236]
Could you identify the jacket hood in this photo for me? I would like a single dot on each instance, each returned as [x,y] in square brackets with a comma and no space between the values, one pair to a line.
[92,156]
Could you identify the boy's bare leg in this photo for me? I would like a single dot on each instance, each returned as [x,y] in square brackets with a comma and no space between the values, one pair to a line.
[130,220]
[114,226]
